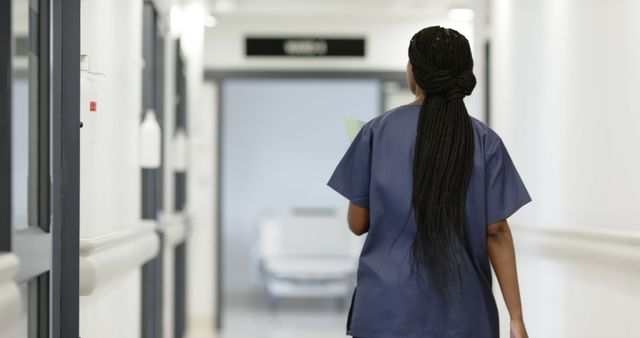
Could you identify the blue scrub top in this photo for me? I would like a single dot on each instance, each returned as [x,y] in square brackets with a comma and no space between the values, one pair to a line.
[377,173]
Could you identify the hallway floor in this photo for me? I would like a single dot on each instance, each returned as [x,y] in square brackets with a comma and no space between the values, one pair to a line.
[292,319]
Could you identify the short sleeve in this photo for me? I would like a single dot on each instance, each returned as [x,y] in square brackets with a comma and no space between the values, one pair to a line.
[351,177]
[505,191]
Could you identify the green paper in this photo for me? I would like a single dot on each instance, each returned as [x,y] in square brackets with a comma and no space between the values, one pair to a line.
[353,126]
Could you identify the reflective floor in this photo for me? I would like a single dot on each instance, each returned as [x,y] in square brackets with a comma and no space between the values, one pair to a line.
[290,319]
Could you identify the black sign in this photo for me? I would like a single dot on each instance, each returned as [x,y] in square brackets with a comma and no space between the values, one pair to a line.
[304,46]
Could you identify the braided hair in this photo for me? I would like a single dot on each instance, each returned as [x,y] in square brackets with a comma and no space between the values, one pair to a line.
[443,68]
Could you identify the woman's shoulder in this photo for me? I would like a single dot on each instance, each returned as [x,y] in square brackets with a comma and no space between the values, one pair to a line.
[392,116]
[481,127]
[401,117]
[487,136]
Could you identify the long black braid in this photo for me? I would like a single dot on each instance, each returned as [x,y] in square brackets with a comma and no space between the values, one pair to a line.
[443,68]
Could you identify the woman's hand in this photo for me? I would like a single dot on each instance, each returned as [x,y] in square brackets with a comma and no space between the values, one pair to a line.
[518,330]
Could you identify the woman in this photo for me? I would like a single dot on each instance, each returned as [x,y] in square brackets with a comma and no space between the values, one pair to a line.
[433,188]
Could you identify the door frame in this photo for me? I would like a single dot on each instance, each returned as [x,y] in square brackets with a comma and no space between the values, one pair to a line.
[152,186]
[65,298]
[218,77]
[57,82]
[5,126]
[180,199]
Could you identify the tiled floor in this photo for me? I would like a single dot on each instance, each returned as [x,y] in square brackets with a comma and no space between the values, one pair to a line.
[289,320]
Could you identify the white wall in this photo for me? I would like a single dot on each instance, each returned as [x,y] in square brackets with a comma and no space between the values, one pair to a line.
[387,40]
[564,93]
[564,100]
[110,175]
[201,176]
[202,202]
[200,208]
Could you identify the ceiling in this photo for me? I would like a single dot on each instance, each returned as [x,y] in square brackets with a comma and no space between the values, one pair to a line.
[336,8]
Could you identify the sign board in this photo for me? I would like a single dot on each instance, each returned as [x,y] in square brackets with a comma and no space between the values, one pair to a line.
[305,47]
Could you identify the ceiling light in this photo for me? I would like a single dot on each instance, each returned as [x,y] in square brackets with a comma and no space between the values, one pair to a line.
[461,14]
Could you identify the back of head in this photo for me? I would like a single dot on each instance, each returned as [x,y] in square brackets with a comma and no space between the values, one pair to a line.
[442,67]
[442,63]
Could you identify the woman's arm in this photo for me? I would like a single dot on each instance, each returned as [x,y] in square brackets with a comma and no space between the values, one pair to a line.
[358,219]
[503,259]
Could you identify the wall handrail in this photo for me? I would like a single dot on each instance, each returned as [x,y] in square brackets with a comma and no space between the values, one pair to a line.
[613,249]
[91,245]
[10,300]
[101,257]
[620,237]
[176,228]
[8,267]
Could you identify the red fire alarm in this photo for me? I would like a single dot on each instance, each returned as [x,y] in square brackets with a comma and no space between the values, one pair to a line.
[93,106]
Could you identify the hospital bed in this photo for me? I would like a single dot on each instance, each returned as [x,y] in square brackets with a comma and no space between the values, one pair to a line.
[308,253]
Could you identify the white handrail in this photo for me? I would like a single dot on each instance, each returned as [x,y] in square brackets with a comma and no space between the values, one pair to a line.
[612,248]
[105,258]
[175,228]
[621,237]
[10,300]
[92,245]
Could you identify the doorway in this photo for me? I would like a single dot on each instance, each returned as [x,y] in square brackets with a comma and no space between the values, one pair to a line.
[280,136]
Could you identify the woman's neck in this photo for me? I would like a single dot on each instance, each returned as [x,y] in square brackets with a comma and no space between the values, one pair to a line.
[419,96]
[418,101]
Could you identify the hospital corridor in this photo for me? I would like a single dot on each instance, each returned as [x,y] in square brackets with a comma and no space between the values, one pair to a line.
[179,168]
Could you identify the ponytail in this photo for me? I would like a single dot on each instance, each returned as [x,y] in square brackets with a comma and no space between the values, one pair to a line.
[442,67]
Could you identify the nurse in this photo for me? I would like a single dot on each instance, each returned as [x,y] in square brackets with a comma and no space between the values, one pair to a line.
[433,188]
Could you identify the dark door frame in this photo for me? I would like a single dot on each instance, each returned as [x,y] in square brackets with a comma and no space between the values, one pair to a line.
[65,297]
[5,125]
[218,77]
[41,48]
[152,281]
[179,203]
